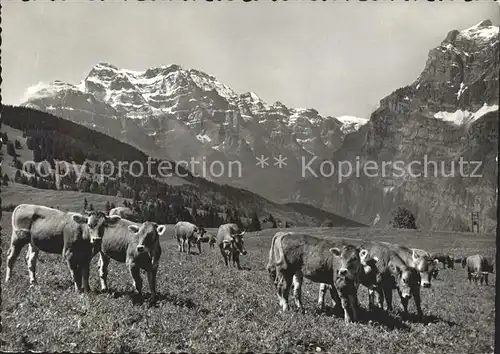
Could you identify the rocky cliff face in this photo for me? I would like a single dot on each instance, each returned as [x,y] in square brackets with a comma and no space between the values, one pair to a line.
[449,113]
[183,114]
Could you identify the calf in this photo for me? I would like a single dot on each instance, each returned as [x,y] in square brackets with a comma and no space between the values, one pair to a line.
[393,273]
[418,259]
[230,242]
[445,259]
[293,256]
[136,245]
[478,268]
[187,234]
[52,231]
[211,241]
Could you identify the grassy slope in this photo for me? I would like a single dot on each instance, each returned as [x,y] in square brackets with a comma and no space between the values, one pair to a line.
[205,307]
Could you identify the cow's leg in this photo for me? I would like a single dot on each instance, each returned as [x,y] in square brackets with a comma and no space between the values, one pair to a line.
[136,278]
[354,305]
[152,280]
[387,294]
[224,255]
[469,276]
[31,258]
[486,279]
[180,244]
[103,271]
[346,306]
[199,246]
[336,302]
[85,266]
[236,259]
[188,246]
[418,300]
[76,273]
[371,299]
[298,278]
[284,286]
[19,239]
[321,296]
[404,302]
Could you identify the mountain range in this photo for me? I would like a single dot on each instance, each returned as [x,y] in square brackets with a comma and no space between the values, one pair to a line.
[449,112]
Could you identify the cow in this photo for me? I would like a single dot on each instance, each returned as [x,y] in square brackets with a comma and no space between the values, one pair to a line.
[445,259]
[211,239]
[187,234]
[392,273]
[230,242]
[336,267]
[124,213]
[136,245]
[418,259]
[478,268]
[52,231]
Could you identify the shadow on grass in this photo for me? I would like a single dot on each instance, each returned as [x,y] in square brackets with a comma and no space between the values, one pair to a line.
[425,319]
[376,316]
[160,297]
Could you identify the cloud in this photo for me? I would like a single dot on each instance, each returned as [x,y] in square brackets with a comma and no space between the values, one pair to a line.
[34,90]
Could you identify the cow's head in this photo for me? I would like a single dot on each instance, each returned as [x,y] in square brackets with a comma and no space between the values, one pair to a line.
[97,222]
[451,262]
[349,264]
[425,266]
[407,278]
[147,235]
[464,262]
[236,242]
[198,233]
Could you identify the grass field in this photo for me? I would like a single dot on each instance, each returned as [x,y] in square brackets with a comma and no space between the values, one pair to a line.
[205,307]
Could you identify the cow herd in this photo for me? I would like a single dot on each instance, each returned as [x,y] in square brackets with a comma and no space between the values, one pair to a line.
[337,266]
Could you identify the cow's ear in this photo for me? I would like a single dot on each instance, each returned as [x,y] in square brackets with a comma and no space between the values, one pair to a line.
[436,261]
[133,228]
[161,229]
[414,255]
[113,219]
[80,219]
[335,251]
[242,233]
[375,258]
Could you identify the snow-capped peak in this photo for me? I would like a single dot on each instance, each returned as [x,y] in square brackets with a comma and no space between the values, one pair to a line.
[350,123]
[484,30]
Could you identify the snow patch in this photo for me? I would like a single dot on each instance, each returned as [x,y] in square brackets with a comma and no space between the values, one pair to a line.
[460,117]
[350,123]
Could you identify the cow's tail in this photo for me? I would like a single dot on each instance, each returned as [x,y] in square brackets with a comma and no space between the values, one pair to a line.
[271,265]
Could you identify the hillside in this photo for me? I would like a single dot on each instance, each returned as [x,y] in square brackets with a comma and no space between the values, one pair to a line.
[44,137]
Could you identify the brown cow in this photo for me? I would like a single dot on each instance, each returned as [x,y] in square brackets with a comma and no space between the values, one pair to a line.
[52,231]
[293,256]
[231,245]
[393,273]
[136,245]
[478,268]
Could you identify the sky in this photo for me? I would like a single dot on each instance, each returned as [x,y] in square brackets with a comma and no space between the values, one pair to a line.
[339,58]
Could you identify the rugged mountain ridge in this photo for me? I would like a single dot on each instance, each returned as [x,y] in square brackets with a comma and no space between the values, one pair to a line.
[180,114]
[449,112]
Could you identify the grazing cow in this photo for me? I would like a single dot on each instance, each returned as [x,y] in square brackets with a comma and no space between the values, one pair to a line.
[212,240]
[393,273]
[136,245]
[293,256]
[124,213]
[52,231]
[188,234]
[446,259]
[478,268]
[230,242]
